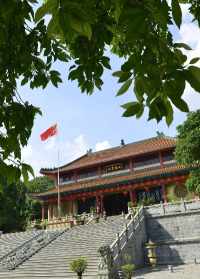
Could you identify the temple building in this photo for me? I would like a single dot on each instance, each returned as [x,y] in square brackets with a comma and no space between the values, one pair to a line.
[107,180]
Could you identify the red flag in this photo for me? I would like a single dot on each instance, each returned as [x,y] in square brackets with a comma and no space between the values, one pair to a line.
[49,132]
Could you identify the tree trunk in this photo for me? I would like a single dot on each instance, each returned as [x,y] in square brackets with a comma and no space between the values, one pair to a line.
[79,275]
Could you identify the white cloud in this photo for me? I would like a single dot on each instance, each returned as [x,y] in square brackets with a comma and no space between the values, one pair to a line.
[190,34]
[46,154]
[71,150]
[27,152]
[102,145]
[185,10]
[192,98]
[50,144]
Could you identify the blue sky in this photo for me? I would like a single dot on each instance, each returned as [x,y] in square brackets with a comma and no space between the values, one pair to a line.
[95,121]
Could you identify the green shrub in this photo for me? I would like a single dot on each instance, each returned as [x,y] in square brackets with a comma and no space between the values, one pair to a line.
[127,270]
[79,266]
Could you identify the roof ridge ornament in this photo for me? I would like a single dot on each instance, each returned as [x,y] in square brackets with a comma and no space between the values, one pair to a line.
[122,142]
[160,134]
[89,151]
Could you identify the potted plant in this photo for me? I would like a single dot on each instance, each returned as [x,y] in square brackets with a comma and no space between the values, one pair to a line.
[127,270]
[92,210]
[79,266]
[44,224]
[97,219]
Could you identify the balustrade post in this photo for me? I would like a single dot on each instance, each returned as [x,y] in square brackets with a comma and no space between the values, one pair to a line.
[133,226]
[184,206]
[162,207]
[126,232]
[119,249]
[43,213]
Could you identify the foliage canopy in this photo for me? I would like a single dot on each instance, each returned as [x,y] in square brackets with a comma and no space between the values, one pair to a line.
[40,184]
[34,34]
[188,148]
[15,206]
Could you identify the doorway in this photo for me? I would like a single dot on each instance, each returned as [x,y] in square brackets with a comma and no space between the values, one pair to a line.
[115,204]
[85,206]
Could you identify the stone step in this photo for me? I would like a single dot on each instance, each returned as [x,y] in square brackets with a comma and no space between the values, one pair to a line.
[53,261]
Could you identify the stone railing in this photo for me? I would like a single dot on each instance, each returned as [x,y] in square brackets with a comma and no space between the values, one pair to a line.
[111,257]
[29,248]
[67,221]
[128,232]
[173,208]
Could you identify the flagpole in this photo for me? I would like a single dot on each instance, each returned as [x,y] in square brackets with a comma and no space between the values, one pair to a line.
[50,132]
[58,178]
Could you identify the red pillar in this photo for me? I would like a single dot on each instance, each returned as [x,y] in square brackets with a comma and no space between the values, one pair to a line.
[102,205]
[43,212]
[98,205]
[161,159]
[133,199]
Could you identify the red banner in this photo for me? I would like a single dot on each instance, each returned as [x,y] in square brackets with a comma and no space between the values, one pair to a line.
[52,131]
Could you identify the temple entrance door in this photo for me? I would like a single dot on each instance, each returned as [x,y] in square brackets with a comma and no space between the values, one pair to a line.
[115,204]
[85,206]
[155,194]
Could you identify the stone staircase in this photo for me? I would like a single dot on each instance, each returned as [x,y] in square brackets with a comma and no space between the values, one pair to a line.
[53,261]
[10,241]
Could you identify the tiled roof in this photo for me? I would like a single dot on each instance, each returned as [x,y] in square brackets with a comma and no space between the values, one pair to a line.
[128,150]
[133,177]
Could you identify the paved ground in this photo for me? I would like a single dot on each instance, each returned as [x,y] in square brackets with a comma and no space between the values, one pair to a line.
[179,272]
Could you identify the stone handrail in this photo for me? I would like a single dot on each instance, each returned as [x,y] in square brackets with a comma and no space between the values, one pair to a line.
[128,232]
[20,254]
[173,208]
[111,256]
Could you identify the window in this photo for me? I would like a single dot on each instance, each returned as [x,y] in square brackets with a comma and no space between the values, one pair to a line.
[66,178]
[87,173]
[168,155]
[149,160]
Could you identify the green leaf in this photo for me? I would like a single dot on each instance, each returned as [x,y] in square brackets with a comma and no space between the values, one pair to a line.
[55,78]
[132,108]
[182,45]
[124,76]
[174,88]
[124,87]
[83,28]
[106,62]
[170,114]
[26,170]
[194,60]
[182,105]
[139,88]
[117,73]
[192,75]
[24,81]
[87,30]
[176,12]
[49,6]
